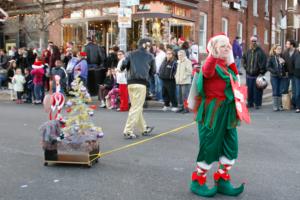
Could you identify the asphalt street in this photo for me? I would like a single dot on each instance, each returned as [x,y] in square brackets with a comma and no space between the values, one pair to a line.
[160,169]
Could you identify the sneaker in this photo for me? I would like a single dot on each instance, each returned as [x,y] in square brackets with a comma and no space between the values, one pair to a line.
[130,136]
[148,131]
[166,108]
[298,111]
[185,111]
[175,109]
[102,104]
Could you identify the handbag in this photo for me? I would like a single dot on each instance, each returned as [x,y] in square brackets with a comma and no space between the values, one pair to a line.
[191,101]
[286,101]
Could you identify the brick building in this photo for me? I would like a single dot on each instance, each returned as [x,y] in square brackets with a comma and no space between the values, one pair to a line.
[192,19]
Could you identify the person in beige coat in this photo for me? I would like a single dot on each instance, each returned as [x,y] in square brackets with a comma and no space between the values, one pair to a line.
[183,79]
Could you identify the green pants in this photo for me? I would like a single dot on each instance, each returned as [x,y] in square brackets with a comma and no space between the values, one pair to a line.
[218,141]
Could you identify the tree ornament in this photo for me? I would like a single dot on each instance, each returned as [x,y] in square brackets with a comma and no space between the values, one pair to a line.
[69,103]
[93,107]
[91,113]
[100,135]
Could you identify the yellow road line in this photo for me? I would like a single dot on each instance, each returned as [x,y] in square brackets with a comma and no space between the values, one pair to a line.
[146,140]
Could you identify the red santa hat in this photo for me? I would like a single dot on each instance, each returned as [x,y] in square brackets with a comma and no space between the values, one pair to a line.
[217,39]
[181,39]
[37,65]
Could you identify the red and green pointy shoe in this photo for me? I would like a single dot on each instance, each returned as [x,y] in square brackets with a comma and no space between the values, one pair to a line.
[224,185]
[199,187]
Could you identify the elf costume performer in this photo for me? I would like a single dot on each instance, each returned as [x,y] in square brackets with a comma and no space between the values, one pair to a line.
[217,120]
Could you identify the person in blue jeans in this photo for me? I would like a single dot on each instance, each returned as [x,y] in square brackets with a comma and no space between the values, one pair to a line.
[255,61]
[297,81]
[3,66]
[183,77]
[275,67]
[237,53]
[289,55]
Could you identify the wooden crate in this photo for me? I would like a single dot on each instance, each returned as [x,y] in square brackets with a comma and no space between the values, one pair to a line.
[80,158]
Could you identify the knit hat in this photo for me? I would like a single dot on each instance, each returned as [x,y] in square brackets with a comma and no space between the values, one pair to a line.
[37,65]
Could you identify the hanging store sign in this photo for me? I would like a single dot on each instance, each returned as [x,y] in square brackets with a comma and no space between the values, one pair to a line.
[88,13]
[124,17]
[77,14]
[132,2]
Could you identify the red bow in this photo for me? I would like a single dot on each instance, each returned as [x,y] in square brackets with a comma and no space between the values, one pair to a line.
[201,179]
[224,176]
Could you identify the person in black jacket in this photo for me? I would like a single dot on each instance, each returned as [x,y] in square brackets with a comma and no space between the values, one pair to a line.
[167,73]
[60,71]
[140,64]
[95,57]
[3,66]
[289,55]
[112,58]
[297,81]
[275,67]
[255,61]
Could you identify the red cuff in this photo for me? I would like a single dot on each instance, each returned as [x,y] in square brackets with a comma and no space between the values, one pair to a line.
[234,68]
[209,66]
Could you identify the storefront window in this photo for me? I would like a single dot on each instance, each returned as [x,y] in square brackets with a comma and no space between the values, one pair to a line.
[104,33]
[181,28]
[75,34]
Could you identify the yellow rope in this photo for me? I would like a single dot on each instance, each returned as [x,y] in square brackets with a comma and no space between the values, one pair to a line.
[143,141]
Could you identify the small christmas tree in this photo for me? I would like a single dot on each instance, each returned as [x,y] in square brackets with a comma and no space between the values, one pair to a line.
[78,128]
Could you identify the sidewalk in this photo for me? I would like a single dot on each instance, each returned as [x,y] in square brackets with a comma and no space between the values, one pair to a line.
[157,106]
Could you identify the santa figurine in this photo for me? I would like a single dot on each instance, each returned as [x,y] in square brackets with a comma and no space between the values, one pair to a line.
[217,120]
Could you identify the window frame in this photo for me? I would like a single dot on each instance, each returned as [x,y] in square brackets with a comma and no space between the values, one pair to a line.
[225,30]
[202,47]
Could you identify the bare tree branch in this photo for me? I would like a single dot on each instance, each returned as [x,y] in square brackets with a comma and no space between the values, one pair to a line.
[52,21]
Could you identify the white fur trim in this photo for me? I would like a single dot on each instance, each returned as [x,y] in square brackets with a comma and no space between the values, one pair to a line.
[37,66]
[230,59]
[204,165]
[225,161]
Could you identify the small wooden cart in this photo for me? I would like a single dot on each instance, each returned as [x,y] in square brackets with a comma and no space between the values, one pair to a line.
[77,158]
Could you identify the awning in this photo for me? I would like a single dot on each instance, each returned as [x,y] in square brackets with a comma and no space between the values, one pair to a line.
[84,20]
[189,3]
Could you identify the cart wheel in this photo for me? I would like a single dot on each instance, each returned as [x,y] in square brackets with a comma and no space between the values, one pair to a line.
[45,164]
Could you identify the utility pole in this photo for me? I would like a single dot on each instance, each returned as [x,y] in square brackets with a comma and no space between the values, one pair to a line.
[123,31]
[290,32]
